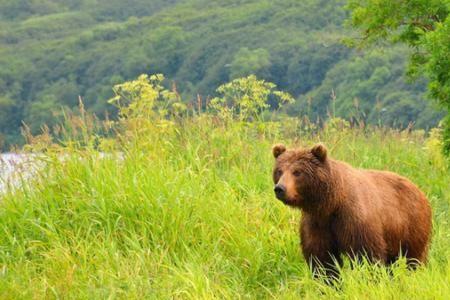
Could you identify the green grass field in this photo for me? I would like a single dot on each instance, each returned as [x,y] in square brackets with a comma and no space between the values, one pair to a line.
[186,210]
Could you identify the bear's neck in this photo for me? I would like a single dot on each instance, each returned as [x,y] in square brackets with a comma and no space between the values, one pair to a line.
[326,198]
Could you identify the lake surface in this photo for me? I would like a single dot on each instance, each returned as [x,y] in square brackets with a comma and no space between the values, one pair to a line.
[13,167]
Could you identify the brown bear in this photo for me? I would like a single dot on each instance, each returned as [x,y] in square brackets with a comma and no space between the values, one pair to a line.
[362,213]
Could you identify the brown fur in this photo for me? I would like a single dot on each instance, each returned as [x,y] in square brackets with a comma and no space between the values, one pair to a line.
[351,211]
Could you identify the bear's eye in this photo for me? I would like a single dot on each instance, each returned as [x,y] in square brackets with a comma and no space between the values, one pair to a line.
[278,173]
[297,173]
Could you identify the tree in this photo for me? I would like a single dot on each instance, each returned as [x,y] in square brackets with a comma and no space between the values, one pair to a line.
[52,51]
[424,25]
[247,62]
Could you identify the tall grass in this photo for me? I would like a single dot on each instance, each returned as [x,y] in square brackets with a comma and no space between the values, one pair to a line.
[185,210]
[182,207]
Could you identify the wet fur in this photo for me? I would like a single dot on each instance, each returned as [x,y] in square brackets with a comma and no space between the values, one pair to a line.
[350,211]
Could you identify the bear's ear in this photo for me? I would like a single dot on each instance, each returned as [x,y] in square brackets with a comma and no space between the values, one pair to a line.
[278,149]
[320,152]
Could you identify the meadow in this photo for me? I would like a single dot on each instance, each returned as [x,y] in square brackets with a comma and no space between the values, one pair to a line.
[183,207]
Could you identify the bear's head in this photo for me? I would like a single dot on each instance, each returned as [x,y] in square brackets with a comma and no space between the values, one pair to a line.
[300,174]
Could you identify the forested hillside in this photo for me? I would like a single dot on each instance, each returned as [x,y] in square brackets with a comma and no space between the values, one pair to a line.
[164,196]
[51,51]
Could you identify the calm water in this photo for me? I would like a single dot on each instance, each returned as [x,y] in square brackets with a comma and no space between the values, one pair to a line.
[13,167]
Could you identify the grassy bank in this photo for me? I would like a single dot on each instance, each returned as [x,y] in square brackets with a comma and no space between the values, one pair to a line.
[170,201]
[186,210]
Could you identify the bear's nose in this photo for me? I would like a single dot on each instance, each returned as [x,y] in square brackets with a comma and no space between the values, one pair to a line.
[280,191]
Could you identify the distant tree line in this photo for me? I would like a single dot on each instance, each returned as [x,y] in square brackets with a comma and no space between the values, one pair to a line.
[53,51]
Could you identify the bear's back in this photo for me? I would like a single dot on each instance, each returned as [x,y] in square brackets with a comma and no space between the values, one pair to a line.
[398,205]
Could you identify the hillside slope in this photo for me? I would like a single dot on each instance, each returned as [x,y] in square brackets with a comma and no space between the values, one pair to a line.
[53,51]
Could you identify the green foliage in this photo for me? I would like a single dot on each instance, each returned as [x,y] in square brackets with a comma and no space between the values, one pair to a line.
[421,24]
[247,98]
[438,64]
[446,135]
[247,62]
[187,210]
[145,97]
[53,51]
[405,21]
[372,93]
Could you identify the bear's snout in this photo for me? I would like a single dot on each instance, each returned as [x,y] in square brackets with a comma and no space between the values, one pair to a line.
[280,191]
